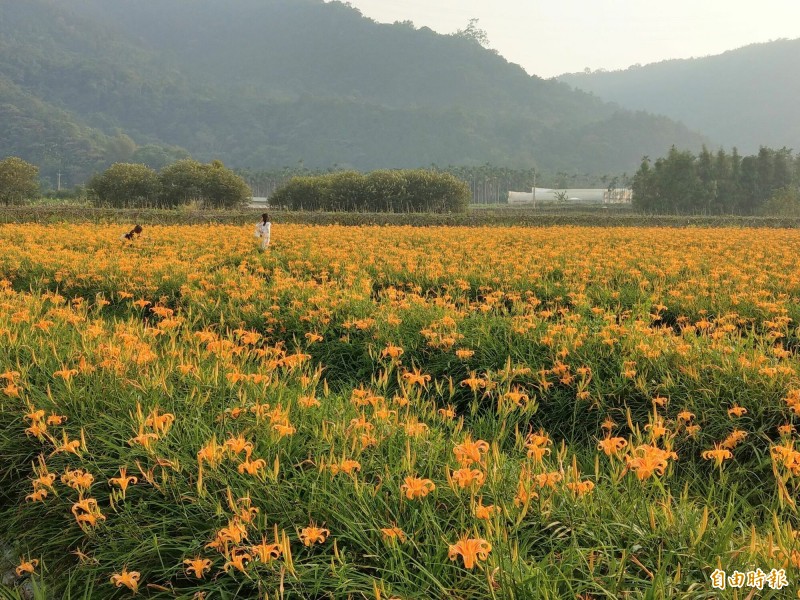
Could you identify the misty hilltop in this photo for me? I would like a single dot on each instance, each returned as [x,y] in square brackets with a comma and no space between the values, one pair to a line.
[745,97]
[271,83]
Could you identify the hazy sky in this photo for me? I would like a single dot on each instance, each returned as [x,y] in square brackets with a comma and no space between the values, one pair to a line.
[550,37]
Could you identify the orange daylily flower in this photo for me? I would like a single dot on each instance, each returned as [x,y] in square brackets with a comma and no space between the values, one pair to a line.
[197,566]
[129,579]
[160,423]
[393,533]
[581,488]
[466,477]
[471,550]
[265,552]
[123,480]
[416,487]
[469,452]
[417,378]
[313,535]
[252,467]
[718,454]
[346,466]
[26,567]
[612,445]
[485,512]
[649,460]
[237,560]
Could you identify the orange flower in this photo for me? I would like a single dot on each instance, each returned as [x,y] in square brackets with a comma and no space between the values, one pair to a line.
[470,549]
[265,552]
[469,452]
[66,374]
[612,446]
[718,454]
[123,480]
[56,420]
[650,460]
[485,512]
[516,397]
[143,439]
[448,413]
[284,429]
[26,567]
[466,477]
[733,440]
[211,453]
[252,467]
[129,579]
[87,511]
[346,466]
[73,447]
[548,479]
[737,411]
[393,533]
[581,488]
[237,561]
[38,495]
[197,566]
[415,487]
[537,443]
[417,378]
[308,401]
[473,382]
[159,422]
[78,479]
[313,535]
[392,352]
[237,445]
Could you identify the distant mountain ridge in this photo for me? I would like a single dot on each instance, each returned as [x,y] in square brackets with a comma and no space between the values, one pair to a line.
[269,83]
[746,97]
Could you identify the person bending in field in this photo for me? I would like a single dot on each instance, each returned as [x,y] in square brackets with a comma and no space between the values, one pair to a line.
[264,231]
[133,233]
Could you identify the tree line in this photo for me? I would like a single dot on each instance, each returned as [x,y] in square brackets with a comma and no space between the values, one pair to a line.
[127,185]
[721,183]
[418,190]
[488,183]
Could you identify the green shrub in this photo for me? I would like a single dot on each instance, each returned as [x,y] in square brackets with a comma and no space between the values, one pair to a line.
[126,185]
[380,191]
[19,181]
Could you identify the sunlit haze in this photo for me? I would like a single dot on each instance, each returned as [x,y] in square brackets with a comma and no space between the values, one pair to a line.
[555,37]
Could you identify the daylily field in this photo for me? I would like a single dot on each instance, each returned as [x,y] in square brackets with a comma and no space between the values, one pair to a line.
[399,412]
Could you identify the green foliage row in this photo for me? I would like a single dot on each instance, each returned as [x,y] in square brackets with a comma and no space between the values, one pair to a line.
[126,185]
[718,184]
[19,181]
[474,218]
[417,190]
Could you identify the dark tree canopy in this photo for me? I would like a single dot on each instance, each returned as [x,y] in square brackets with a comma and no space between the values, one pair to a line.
[19,181]
[720,183]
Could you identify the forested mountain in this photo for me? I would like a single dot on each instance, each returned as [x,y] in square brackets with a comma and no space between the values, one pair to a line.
[744,98]
[270,83]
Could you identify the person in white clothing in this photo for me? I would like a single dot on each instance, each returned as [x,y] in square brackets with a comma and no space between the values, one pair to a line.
[263,230]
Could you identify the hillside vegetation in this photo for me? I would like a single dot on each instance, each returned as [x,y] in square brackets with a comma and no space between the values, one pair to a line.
[744,98]
[272,83]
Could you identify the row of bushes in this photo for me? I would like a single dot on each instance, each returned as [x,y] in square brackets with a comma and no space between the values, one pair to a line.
[125,185]
[417,190]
